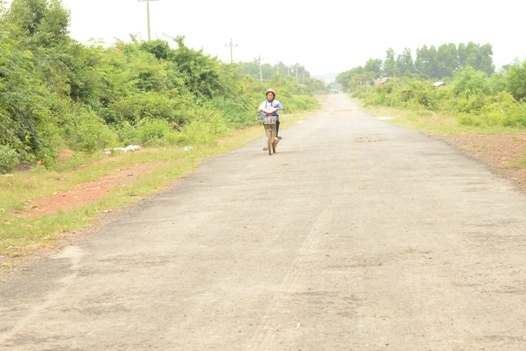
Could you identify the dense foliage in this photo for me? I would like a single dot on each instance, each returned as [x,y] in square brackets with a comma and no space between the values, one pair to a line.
[458,81]
[471,96]
[430,64]
[56,93]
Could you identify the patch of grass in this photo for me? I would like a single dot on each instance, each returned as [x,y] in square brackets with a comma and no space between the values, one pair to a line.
[431,122]
[518,164]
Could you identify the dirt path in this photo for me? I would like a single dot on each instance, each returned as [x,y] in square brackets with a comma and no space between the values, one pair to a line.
[380,239]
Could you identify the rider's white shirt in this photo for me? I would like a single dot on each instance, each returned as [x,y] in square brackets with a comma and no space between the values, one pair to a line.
[273,103]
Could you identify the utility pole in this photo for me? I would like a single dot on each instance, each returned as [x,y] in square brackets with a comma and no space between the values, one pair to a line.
[297,70]
[231,46]
[148,16]
[260,71]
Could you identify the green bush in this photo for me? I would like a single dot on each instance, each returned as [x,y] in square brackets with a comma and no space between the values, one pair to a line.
[154,132]
[205,130]
[8,159]
[516,81]
[236,113]
[91,133]
[126,134]
[468,119]
[515,116]
[300,103]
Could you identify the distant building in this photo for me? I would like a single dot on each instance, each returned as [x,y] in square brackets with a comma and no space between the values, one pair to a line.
[380,81]
[439,84]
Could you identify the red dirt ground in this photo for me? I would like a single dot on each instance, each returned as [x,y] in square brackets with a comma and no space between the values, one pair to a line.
[497,151]
[86,192]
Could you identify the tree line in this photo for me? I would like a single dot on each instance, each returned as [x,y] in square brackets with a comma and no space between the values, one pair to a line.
[474,93]
[470,88]
[431,63]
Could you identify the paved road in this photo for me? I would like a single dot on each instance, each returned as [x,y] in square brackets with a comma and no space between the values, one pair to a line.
[357,235]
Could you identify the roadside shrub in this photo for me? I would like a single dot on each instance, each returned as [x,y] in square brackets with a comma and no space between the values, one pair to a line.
[207,129]
[127,134]
[238,113]
[405,95]
[91,133]
[150,105]
[496,110]
[300,103]
[8,159]
[486,119]
[467,119]
[467,82]
[472,104]
[376,98]
[515,116]
[446,101]
[173,139]
[154,132]
[516,81]
[492,118]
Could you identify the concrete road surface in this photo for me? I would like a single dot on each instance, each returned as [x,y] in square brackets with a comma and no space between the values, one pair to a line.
[356,235]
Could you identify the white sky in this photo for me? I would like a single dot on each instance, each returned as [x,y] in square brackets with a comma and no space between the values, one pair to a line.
[328,36]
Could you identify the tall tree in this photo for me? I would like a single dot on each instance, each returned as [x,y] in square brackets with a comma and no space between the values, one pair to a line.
[43,23]
[446,61]
[405,63]
[375,66]
[478,57]
[390,69]
[36,76]
[422,61]
[486,60]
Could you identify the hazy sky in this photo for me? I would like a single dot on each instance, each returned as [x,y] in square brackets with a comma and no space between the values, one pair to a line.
[328,36]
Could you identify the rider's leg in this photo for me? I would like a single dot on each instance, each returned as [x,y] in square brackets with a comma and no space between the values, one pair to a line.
[277,128]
